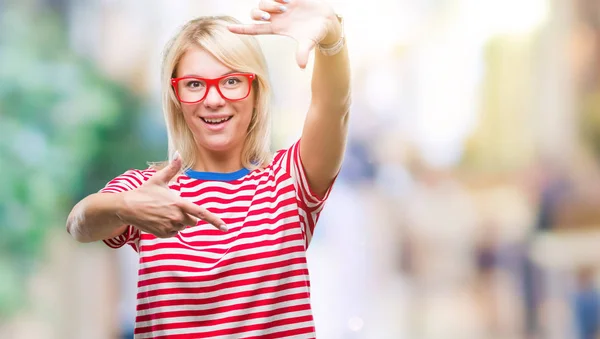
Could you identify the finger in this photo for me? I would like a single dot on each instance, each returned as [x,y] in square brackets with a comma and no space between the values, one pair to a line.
[178,227]
[204,214]
[251,29]
[303,51]
[189,220]
[271,6]
[166,234]
[258,15]
[166,174]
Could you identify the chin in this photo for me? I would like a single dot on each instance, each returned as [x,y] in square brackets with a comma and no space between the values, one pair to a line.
[218,144]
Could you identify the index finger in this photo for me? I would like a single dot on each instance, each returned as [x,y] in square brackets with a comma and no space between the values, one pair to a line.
[204,214]
[251,29]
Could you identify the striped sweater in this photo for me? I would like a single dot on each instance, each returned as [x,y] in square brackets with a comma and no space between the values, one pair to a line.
[249,282]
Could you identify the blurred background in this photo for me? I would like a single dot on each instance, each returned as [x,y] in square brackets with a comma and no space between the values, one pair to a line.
[468,205]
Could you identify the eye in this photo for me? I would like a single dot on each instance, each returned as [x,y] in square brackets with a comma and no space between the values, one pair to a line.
[232,81]
[193,84]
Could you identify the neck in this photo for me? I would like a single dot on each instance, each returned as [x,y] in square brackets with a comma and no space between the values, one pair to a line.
[218,162]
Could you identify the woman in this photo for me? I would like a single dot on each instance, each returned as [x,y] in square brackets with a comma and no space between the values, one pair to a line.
[222,229]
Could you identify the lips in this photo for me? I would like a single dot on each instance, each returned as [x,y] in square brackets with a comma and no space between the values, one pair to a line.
[216,120]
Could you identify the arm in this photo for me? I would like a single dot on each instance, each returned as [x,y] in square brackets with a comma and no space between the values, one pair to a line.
[325,128]
[151,208]
[326,125]
[96,218]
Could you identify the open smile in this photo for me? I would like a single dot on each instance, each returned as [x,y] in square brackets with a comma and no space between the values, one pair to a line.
[216,121]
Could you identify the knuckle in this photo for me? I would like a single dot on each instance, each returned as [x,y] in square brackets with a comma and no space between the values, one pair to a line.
[176,218]
[201,214]
[172,227]
[192,221]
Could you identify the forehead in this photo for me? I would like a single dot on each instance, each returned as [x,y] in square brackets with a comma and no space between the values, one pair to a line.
[196,61]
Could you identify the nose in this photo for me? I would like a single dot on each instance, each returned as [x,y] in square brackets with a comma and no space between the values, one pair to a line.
[213,98]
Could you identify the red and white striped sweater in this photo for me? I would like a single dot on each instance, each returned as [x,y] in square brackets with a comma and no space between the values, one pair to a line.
[249,282]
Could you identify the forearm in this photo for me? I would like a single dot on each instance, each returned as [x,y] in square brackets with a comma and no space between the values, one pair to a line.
[96,217]
[331,76]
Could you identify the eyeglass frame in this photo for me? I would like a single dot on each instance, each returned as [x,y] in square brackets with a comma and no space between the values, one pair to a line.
[210,83]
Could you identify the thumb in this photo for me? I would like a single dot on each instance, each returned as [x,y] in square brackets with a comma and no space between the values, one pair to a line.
[166,174]
[303,51]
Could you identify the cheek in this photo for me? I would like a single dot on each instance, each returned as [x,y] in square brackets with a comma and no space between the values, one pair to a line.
[189,114]
[189,110]
[245,111]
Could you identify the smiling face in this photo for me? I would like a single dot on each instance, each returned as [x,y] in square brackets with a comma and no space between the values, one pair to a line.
[218,125]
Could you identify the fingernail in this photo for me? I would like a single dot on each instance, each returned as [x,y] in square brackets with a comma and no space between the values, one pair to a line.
[265,16]
[287,1]
[223,228]
[282,8]
[176,155]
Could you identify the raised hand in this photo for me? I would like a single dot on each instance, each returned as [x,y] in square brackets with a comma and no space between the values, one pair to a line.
[155,209]
[307,21]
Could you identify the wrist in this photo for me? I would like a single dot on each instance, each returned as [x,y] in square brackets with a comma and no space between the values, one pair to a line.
[334,30]
[120,206]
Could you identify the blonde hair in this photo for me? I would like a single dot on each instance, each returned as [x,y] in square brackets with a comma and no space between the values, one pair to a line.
[238,52]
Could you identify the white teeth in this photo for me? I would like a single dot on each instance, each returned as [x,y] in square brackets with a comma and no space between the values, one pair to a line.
[215,121]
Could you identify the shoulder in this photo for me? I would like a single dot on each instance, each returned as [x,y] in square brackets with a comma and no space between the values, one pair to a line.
[137,174]
[278,155]
[284,155]
[128,180]
[147,173]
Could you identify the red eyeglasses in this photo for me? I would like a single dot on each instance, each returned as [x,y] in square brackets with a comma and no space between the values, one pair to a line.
[232,87]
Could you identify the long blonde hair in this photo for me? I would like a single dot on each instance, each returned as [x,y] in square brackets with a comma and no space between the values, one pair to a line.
[238,52]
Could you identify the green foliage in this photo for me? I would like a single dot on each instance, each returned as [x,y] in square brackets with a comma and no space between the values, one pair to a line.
[65,130]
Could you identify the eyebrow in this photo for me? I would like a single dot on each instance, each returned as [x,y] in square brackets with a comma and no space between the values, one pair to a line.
[199,76]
